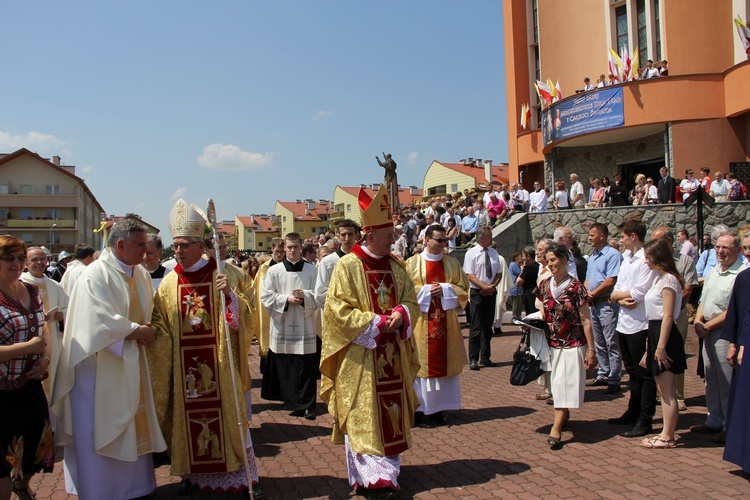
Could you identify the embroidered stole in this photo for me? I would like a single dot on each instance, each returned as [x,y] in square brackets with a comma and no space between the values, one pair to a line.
[199,344]
[389,383]
[136,315]
[437,325]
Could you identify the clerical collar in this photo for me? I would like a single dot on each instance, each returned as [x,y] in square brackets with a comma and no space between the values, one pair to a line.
[340,252]
[195,267]
[368,252]
[294,267]
[273,262]
[127,268]
[432,257]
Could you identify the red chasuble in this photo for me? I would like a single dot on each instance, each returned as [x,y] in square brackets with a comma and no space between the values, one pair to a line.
[199,345]
[437,325]
[389,385]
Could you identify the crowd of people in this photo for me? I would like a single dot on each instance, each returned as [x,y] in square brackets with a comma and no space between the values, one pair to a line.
[132,361]
[651,70]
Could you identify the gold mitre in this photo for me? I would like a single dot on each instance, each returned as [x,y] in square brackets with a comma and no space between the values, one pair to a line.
[375,211]
[185,221]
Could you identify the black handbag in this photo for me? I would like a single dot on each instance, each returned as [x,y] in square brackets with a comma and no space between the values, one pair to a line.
[526,366]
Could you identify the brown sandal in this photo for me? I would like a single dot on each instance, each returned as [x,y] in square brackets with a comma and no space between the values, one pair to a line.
[657,443]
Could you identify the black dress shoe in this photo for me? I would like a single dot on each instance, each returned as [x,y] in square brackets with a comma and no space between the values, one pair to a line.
[487,363]
[625,419]
[184,488]
[640,429]
[439,419]
[612,389]
[473,366]
[597,383]
[257,492]
[381,493]
[297,413]
[309,415]
[497,331]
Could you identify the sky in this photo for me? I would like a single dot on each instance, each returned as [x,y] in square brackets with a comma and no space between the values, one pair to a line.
[249,102]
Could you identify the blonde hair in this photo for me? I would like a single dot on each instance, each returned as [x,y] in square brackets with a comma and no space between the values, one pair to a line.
[639,178]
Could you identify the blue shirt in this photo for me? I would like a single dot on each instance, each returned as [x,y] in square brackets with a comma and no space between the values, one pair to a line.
[515,271]
[602,265]
[469,224]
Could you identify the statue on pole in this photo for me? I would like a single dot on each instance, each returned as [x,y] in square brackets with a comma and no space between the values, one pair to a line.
[390,180]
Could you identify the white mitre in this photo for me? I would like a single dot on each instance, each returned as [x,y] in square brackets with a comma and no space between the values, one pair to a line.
[185,221]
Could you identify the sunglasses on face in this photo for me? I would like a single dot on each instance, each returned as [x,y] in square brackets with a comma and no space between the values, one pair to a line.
[10,258]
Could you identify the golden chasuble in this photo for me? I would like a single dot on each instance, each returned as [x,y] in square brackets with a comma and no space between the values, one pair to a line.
[369,391]
[437,334]
[136,315]
[191,372]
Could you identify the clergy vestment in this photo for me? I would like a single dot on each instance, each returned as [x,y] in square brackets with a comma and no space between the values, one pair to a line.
[262,319]
[101,394]
[53,296]
[72,273]
[437,331]
[192,379]
[291,370]
[368,375]
[157,275]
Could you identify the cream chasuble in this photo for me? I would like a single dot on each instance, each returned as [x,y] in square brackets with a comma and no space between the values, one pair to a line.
[97,319]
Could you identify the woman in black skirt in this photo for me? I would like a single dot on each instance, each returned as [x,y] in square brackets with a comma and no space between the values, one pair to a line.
[25,433]
[665,353]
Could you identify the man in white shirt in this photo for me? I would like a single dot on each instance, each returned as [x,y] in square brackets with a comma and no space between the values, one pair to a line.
[482,267]
[576,192]
[653,192]
[520,197]
[564,236]
[538,199]
[633,282]
[649,71]
[719,187]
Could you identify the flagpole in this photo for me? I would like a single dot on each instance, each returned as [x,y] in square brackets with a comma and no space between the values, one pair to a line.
[211,215]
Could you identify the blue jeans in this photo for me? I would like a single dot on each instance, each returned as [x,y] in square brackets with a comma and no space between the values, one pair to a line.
[603,322]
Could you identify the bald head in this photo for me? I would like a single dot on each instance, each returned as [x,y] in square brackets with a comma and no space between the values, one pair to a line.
[663,233]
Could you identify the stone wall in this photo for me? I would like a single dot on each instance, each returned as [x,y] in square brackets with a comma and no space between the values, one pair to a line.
[734,214]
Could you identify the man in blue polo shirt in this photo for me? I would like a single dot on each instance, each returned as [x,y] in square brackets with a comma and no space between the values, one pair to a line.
[601,276]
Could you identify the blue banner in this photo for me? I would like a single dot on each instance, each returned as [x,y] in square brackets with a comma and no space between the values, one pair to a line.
[595,110]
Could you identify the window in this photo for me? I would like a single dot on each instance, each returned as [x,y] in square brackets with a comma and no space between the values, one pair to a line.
[27,238]
[348,207]
[454,188]
[301,230]
[3,213]
[621,19]
[260,244]
[27,213]
[54,213]
[657,29]
[642,32]
[535,19]
[52,190]
[3,189]
[283,219]
[55,238]
[26,189]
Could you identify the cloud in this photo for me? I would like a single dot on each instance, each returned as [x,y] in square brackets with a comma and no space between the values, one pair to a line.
[231,157]
[178,194]
[86,169]
[322,114]
[412,157]
[33,141]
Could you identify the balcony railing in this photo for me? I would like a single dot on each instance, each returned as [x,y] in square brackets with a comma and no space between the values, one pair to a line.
[39,223]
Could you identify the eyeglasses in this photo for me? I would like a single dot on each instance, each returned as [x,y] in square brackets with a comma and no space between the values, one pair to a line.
[440,240]
[10,258]
[181,246]
[37,260]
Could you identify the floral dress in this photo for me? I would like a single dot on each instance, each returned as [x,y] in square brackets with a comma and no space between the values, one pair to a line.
[562,313]
[26,443]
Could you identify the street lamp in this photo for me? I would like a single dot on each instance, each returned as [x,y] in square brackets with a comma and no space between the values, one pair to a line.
[51,241]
